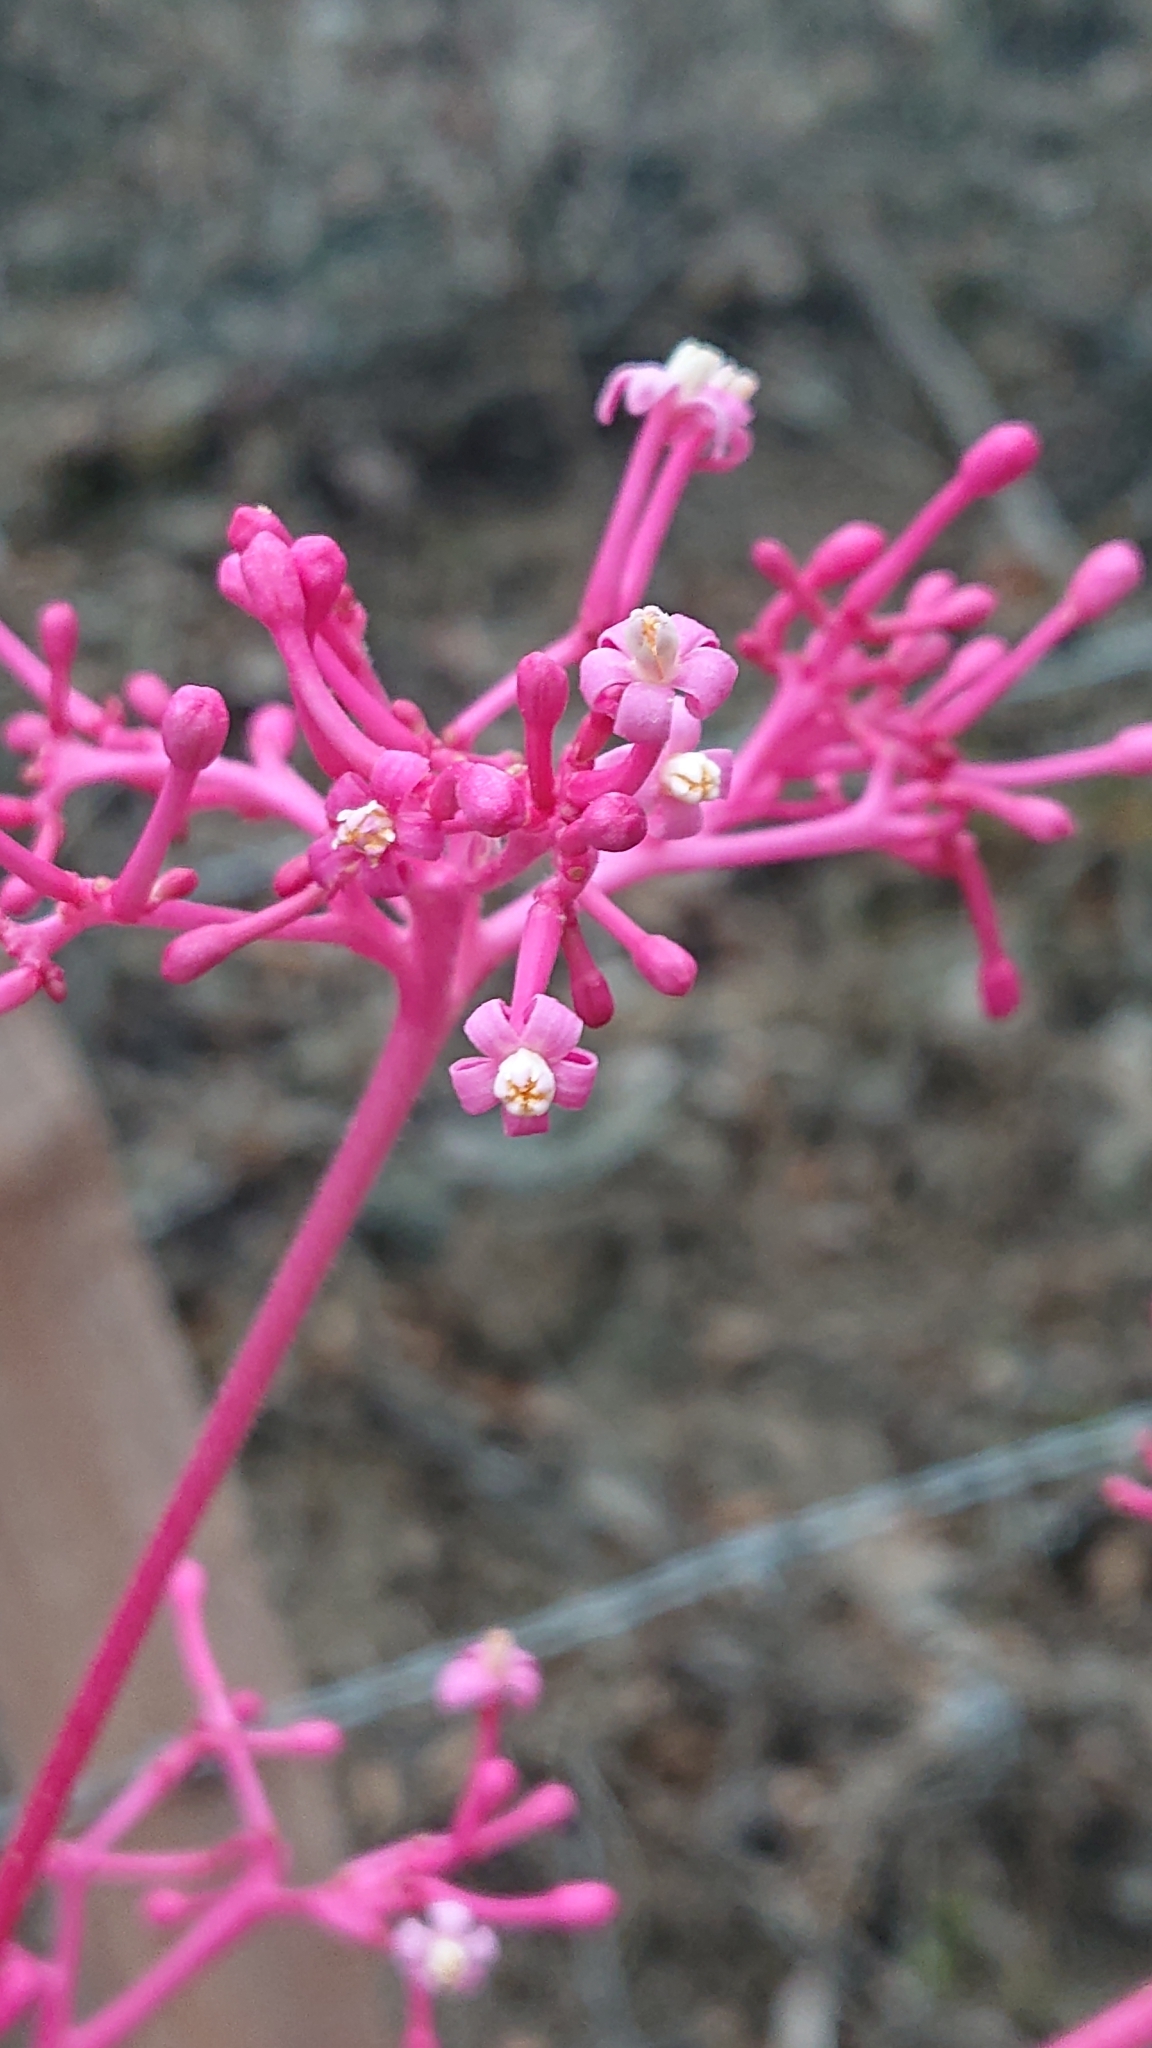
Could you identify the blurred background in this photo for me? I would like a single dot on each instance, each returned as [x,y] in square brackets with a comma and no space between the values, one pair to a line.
[368,260]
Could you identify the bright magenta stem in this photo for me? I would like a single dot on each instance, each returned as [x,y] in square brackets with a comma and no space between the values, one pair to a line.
[1126,2025]
[423,1021]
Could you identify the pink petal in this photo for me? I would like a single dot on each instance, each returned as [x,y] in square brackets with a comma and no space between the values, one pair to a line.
[490,1030]
[575,1076]
[386,879]
[706,679]
[550,1028]
[611,392]
[674,820]
[604,669]
[523,1126]
[347,793]
[691,634]
[722,756]
[645,712]
[395,774]
[419,836]
[474,1082]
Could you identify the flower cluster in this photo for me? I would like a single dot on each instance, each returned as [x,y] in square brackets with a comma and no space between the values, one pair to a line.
[440,861]
[404,1900]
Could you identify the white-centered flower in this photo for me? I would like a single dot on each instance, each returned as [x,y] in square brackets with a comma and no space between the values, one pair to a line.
[447,1962]
[652,642]
[368,828]
[694,366]
[524,1083]
[691,778]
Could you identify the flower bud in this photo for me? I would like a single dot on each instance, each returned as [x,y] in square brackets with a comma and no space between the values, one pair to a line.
[1000,989]
[231,585]
[249,520]
[59,630]
[613,822]
[148,696]
[322,568]
[272,581]
[491,801]
[771,559]
[176,882]
[1132,750]
[194,728]
[669,968]
[999,458]
[541,690]
[846,552]
[1105,577]
[580,1905]
[292,875]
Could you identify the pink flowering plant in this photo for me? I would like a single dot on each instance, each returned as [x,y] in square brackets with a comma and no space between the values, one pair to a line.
[441,861]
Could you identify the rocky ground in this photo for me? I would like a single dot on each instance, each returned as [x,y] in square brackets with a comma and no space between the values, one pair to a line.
[823,1225]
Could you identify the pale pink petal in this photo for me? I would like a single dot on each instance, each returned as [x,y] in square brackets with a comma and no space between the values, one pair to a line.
[465,1682]
[706,679]
[490,1030]
[611,392]
[645,385]
[450,1916]
[691,634]
[723,759]
[606,668]
[645,712]
[575,1075]
[474,1082]
[550,1028]
[674,820]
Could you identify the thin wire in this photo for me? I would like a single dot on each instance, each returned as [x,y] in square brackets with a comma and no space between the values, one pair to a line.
[732,1563]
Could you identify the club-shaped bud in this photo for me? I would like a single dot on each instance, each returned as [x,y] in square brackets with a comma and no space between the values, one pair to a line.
[194,728]
[491,801]
[999,458]
[613,823]
[1105,578]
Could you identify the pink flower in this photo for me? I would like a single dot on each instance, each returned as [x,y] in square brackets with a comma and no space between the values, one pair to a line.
[447,1951]
[708,388]
[494,1671]
[527,1067]
[684,779]
[374,825]
[639,665]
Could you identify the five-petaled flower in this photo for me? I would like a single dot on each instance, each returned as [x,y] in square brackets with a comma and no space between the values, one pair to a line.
[708,389]
[375,826]
[638,666]
[492,1672]
[526,1067]
[449,1950]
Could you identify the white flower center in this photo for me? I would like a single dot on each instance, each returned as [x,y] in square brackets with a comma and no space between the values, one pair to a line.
[653,644]
[368,828]
[446,1962]
[696,367]
[524,1083]
[690,778]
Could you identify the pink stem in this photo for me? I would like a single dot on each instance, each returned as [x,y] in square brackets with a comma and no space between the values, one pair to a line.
[166,821]
[1125,2025]
[83,715]
[422,1024]
[41,875]
[600,604]
[652,531]
[225,1921]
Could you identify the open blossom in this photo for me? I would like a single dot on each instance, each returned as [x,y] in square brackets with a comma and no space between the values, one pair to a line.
[373,825]
[706,384]
[638,667]
[494,1671]
[526,1068]
[448,1950]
